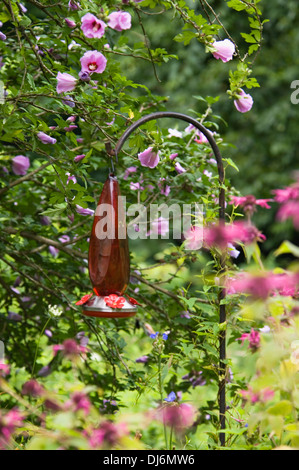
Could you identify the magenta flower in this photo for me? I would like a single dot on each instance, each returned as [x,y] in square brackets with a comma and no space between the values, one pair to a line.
[65,82]
[32,388]
[290,210]
[93,62]
[149,158]
[119,20]
[136,186]
[70,348]
[193,238]
[178,417]
[71,24]
[92,27]
[4,369]
[54,251]
[20,165]
[46,139]
[108,434]
[8,423]
[82,211]
[219,235]
[81,402]
[78,158]
[244,102]
[224,50]
[142,359]
[254,339]
[173,156]
[283,195]
[249,203]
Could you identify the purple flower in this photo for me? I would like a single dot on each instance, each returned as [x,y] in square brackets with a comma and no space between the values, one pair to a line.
[136,186]
[44,371]
[80,210]
[71,24]
[79,157]
[81,402]
[64,239]
[173,156]
[20,165]
[93,62]
[73,5]
[48,333]
[164,188]
[14,316]
[54,251]
[92,27]
[149,158]
[65,82]
[68,101]
[119,20]
[2,36]
[71,128]
[154,335]
[23,8]
[244,102]
[46,139]
[224,50]
[171,397]
[179,169]
[84,76]
[142,359]
[165,336]
[45,220]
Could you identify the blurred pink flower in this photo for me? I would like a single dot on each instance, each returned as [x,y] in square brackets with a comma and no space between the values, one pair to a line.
[224,50]
[253,397]
[249,203]
[108,434]
[32,388]
[149,158]
[73,5]
[70,348]
[289,210]
[136,186]
[93,62]
[65,82]
[173,156]
[92,27]
[119,20]
[4,369]
[220,235]
[8,423]
[81,402]
[253,337]
[159,226]
[177,416]
[283,195]
[20,165]
[194,238]
[244,102]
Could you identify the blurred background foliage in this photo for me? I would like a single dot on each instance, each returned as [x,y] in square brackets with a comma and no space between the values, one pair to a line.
[264,142]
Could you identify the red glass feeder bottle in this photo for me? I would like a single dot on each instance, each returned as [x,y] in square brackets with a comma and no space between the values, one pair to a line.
[109,258]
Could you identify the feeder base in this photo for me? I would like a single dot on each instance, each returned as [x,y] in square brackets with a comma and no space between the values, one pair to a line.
[97,307]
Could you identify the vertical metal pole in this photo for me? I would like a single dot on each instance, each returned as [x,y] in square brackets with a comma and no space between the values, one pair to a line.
[221,296]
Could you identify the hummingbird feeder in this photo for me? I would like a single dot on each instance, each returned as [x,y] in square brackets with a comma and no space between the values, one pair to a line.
[109,260]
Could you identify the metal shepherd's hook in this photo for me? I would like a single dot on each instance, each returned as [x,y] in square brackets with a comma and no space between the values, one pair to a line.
[221,216]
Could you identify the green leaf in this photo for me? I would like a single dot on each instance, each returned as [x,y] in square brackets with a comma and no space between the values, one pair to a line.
[287,247]
[282,408]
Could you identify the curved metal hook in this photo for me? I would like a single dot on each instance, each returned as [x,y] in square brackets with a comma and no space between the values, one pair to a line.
[222,310]
[200,127]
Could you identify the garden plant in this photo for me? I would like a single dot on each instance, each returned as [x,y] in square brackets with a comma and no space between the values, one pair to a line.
[74,75]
